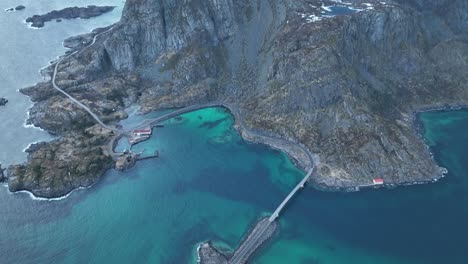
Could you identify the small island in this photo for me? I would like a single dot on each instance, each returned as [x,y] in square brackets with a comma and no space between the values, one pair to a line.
[3,101]
[90,11]
[18,8]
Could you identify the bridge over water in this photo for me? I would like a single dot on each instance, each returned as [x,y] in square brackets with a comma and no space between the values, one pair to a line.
[265,227]
[264,230]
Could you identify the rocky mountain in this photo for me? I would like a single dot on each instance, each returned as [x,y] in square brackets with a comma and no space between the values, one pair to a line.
[344,86]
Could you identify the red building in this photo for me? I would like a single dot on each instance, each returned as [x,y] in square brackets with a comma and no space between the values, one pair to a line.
[142,132]
[378,181]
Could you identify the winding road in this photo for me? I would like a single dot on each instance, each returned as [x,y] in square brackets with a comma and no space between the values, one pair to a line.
[87,109]
[248,247]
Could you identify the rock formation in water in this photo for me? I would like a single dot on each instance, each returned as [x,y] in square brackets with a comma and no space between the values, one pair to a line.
[126,161]
[18,8]
[56,168]
[207,254]
[3,101]
[2,175]
[38,21]
[345,87]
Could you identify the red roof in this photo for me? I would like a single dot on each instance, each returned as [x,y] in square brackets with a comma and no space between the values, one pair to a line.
[378,181]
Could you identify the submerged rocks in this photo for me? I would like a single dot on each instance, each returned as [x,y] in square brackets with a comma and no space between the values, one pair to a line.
[69,13]
[2,175]
[3,101]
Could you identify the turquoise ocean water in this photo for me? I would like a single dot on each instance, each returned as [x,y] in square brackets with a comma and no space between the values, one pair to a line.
[210,184]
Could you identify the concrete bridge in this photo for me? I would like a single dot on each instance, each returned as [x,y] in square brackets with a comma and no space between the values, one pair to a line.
[299,186]
[263,229]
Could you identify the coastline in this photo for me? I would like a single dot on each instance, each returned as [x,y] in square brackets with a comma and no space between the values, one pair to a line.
[303,161]
[37,198]
[301,157]
[418,129]
[298,153]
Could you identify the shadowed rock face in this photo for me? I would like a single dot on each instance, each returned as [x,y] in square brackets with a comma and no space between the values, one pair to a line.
[345,87]
[169,26]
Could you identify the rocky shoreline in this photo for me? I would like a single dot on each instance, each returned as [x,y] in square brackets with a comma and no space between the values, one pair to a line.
[90,11]
[56,168]
[341,87]
[256,238]
[208,254]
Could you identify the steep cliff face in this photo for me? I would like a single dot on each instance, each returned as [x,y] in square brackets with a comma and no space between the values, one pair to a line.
[345,86]
[167,26]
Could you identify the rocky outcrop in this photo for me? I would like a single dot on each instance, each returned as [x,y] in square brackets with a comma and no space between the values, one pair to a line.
[62,165]
[126,161]
[38,21]
[344,87]
[207,254]
[3,101]
[2,174]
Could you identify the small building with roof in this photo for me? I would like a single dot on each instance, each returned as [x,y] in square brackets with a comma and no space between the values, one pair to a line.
[378,181]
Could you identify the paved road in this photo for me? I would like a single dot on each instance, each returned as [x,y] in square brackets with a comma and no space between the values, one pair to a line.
[247,248]
[54,84]
[238,115]
[255,239]
[180,111]
[252,242]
